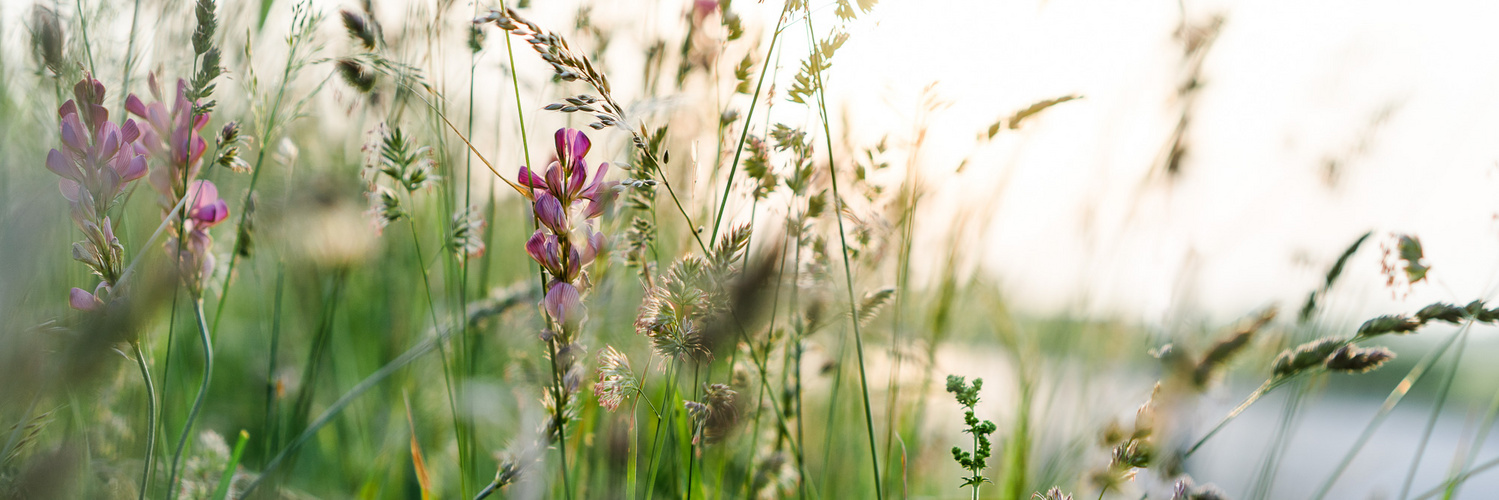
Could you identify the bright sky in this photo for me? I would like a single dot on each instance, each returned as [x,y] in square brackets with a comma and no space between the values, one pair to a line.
[1288,86]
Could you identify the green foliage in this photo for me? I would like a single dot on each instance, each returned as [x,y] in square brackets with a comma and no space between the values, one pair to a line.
[977,460]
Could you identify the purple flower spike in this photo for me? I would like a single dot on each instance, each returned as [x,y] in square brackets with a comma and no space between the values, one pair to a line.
[563,304]
[82,300]
[551,213]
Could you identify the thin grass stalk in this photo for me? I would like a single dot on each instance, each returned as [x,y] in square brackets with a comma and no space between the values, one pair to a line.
[775,303]
[749,115]
[446,368]
[1483,435]
[265,141]
[667,414]
[1393,399]
[1263,389]
[848,272]
[140,359]
[192,415]
[470,370]
[270,422]
[135,16]
[1436,412]
[691,455]
[1265,478]
[88,50]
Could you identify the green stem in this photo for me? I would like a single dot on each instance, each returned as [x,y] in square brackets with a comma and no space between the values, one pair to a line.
[192,415]
[446,369]
[671,387]
[265,141]
[140,359]
[1436,412]
[1263,389]
[749,115]
[848,272]
[1389,405]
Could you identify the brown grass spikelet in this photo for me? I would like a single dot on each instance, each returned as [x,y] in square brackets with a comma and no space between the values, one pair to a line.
[1441,311]
[1305,356]
[715,416]
[1351,359]
[47,39]
[1390,323]
[356,74]
[1224,350]
[362,29]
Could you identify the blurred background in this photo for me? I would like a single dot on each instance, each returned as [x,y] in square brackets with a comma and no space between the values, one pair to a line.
[1204,161]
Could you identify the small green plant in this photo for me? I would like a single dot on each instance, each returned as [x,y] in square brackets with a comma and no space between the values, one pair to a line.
[968,396]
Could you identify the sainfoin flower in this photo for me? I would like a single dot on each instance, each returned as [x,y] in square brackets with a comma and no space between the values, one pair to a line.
[204,211]
[173,137]
[96,161]
[565,200]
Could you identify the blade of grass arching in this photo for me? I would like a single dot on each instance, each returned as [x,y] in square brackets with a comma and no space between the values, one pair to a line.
[1393,399]
[343,401]
[848,271]
[749,115]
[1476,446]
[222,491]
[1436,412]
[269,427]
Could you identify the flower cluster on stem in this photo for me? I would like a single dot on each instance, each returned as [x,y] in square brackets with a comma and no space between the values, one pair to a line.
[97,160]
[174,138]
[566,199]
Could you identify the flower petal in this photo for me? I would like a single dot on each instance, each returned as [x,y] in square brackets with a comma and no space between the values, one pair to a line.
[563,304]
[61,166]
[82,300]
[550,212]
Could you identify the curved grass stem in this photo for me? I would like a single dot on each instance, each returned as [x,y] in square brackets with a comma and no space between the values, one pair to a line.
[140,360]
[192,415]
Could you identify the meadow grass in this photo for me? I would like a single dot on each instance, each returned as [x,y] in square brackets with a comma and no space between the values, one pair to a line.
[738,290]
